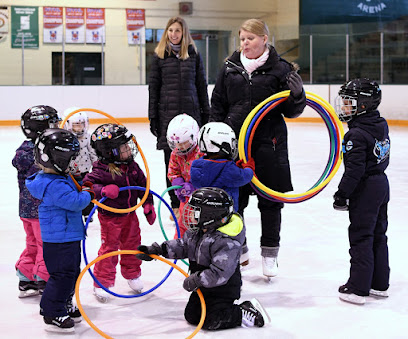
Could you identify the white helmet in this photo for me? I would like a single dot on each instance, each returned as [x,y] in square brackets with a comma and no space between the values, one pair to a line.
[218,137]
[77,123]
[182,134]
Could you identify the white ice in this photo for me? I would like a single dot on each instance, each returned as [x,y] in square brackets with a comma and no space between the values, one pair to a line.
[302,300]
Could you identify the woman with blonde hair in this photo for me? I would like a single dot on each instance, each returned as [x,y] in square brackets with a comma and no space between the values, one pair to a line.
[249,76]
[177,85]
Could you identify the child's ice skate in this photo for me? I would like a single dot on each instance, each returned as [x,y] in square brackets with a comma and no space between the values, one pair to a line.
[62,324]
[101,295]
[136,285]
[41,286]
[270,267]
[379,294]
[27,289]
[253,314]
[348,296]
[73,312]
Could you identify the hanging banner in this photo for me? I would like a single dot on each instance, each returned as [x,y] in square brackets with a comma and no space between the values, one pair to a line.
[135,23]
[74,25]
[4,22]
[24,23]
[53,25]
[95,25]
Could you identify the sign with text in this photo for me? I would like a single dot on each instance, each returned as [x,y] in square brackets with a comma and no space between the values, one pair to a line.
[24,27]
[53,25]
[135,24]
[95,25]
[74,25]
[4,22]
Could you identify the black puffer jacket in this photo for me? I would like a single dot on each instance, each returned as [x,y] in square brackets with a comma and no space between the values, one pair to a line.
[177,86]
[236,93]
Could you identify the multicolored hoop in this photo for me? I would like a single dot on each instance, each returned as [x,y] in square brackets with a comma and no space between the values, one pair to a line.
[336,133]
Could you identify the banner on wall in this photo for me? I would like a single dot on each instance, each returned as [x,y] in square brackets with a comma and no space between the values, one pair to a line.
[4,22]
[136,29]
[74,25]
[53,25]
[24,23]
[95,25]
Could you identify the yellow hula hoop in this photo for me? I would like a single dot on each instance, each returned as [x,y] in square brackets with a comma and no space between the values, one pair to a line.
[96,202]
[111,254]
[333,116]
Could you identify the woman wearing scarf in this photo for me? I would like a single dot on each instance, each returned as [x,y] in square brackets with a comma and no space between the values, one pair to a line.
[176,85]
[249,76]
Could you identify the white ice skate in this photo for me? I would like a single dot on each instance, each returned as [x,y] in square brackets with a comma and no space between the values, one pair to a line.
[377,293]
[136,285]
[352,298]
[270,266]
[101,295]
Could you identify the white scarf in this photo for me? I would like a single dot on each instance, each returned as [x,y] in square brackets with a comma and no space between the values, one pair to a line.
[251,65]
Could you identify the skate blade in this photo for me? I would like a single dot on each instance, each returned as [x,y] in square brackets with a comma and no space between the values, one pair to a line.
[55,329]
[28,293]
[260,308]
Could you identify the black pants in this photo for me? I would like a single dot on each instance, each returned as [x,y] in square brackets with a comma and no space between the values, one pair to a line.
[63,262]
[175,203]
[270,216]
[368,241]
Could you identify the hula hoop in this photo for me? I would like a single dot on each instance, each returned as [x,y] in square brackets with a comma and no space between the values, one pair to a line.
[108,208]
[335,129]
[111,254]
[160,219]
[86,258]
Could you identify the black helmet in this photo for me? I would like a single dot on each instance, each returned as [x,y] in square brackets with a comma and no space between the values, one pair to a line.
[356,97]
[38,118]
[56,148]
[208,208]
[107,140]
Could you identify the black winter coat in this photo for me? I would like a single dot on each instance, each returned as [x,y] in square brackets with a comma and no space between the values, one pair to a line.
[177,86]
[366,149]
[236,93]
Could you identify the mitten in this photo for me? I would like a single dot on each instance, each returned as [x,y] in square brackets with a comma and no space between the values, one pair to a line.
[154,249]
[149,213]
[249,164]
[110,191]
[179,181]
[192,282]
[295,83]
[87,186]
[340,203]
[185,191]
[154,126]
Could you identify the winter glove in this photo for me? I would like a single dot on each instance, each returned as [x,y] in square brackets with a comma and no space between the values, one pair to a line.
[154,127]
[295,83]
[154,249]
[250,164]
[340,203]
[185,191]
[87,186]
[149,213]
[110,191]
[192,282]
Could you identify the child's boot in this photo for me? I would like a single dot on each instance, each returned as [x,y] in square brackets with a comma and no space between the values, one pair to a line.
[270,261]
[59,324]
[136,285]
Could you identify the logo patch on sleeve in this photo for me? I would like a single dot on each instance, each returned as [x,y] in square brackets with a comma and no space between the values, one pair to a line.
[349,145]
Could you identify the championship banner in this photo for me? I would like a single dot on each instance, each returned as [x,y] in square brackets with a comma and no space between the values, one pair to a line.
[95,25]
[74,25]
[53,25]
[24,23]
[135,23]
[4,22]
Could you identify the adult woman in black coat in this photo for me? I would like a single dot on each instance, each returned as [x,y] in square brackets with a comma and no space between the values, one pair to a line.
[248,77]
[176,85]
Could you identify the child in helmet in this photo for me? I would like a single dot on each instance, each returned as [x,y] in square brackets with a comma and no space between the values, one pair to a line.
[30,267]
[182,134]
[116,168]
[217,167]
[79,124]
[212,244]
[364,189]
[62,228]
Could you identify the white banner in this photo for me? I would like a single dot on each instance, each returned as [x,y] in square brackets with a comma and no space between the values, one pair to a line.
[53,24]
[135,24]
[95,25]
[74,25]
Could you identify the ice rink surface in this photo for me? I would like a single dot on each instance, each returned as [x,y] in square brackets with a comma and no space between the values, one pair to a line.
[302,300]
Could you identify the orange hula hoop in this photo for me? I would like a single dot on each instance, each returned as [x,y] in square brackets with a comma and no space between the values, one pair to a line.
[111,254]
[96,202]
